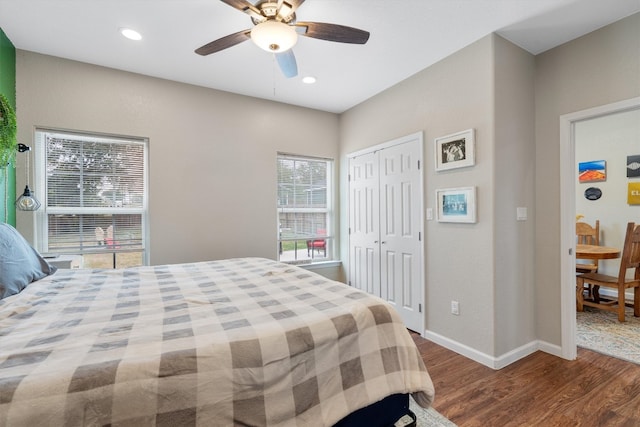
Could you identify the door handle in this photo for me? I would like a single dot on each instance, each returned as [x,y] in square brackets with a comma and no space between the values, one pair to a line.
[384,243]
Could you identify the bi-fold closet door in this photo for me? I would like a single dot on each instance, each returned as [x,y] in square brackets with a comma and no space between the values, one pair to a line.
[385,225]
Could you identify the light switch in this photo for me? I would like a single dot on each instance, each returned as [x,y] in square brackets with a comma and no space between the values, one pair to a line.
[429,214]
[521,214]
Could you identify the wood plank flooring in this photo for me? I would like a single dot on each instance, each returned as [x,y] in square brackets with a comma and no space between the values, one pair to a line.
[539,390]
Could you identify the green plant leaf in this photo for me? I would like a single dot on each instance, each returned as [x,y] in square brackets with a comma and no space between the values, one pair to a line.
[8,130]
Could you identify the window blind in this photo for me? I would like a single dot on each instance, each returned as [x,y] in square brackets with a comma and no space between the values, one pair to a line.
[304,206]
[94,174]
[95,193]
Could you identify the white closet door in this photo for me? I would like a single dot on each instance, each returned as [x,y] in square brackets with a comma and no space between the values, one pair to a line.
[401,260]
[364,223]
[385,222]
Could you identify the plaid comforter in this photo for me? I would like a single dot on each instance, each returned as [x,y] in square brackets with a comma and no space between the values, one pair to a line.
[244,341]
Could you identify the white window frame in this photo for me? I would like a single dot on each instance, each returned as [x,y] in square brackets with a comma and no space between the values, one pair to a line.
[329,237]
[41,215]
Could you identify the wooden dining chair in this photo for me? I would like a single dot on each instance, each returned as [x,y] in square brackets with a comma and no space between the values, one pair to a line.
[630,261]
[586,234]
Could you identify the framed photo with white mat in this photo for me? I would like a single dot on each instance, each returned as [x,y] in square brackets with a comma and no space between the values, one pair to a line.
[456,204]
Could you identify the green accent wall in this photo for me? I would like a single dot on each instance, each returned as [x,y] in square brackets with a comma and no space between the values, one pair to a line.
[8,89]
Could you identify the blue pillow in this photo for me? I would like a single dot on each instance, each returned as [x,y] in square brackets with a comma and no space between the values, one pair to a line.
[20,264]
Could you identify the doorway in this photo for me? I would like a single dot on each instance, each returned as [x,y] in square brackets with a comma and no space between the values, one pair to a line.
[567,213]
[386,226]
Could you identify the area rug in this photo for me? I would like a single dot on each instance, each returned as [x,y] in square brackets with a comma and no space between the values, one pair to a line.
[428,417]
[600,331]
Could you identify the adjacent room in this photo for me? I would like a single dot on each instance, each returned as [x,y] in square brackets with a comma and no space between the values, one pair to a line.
[372,209]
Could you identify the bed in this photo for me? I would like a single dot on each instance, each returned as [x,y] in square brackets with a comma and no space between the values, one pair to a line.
[246,341]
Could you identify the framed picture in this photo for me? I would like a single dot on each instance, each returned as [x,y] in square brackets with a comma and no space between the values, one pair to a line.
[455,151]
[633,193]
[593,171]
[457,204]
[633,166]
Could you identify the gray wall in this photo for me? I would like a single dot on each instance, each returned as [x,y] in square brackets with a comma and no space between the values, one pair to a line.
[597,69]
[487,86]
[514,171]
[212,179]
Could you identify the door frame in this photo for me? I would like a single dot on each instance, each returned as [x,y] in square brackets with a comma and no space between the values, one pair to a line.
[419,136]
[567,216]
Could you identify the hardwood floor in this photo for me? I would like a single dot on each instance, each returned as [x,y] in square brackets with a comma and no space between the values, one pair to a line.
[539,390]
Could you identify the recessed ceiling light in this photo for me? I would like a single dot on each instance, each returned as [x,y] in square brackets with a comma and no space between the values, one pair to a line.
[309,80]
[130,34]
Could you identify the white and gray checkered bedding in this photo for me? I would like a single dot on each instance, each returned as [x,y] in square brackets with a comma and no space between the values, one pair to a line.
[245,341]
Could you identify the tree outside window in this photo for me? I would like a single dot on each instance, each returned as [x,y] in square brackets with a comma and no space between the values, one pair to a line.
[95,191]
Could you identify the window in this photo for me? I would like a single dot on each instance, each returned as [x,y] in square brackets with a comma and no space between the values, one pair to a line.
[304,209]
[95,198]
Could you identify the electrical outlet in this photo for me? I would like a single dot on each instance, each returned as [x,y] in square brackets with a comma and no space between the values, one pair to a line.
[455,308]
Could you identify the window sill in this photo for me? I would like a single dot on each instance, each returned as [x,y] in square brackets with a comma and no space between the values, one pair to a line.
[321,265]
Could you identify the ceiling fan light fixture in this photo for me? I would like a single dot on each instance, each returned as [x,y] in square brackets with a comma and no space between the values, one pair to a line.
[274,36]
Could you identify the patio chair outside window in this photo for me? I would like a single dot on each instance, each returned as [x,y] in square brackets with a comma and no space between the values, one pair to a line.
[317,245]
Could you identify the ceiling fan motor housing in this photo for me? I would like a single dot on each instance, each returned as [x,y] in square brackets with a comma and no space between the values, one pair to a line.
[269,10]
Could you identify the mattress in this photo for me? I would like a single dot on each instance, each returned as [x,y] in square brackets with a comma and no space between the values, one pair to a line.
[246,341]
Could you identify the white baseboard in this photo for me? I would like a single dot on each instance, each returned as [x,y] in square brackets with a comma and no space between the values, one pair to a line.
[613,293]
[492,361]
[554,350]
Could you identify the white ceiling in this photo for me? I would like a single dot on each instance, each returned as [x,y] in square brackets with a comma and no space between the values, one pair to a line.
[406,36]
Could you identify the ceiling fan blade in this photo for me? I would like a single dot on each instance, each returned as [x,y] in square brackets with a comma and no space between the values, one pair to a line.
[333,32]
[224,42]
[287,62]
[246,7]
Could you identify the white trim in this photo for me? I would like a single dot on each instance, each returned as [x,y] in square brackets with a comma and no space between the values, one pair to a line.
[487,360]
[567,239]
[567,216]
[460,348]
[553,349]
[328,211]
[321,265]
[41,241]
[393,142]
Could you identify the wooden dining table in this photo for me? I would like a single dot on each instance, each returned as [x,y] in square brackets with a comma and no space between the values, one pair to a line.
[596,252]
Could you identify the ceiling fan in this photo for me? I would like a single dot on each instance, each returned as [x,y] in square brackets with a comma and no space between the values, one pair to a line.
[276,30]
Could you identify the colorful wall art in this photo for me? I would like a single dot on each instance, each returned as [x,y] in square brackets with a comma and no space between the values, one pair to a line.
[593,171]
[633,193]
